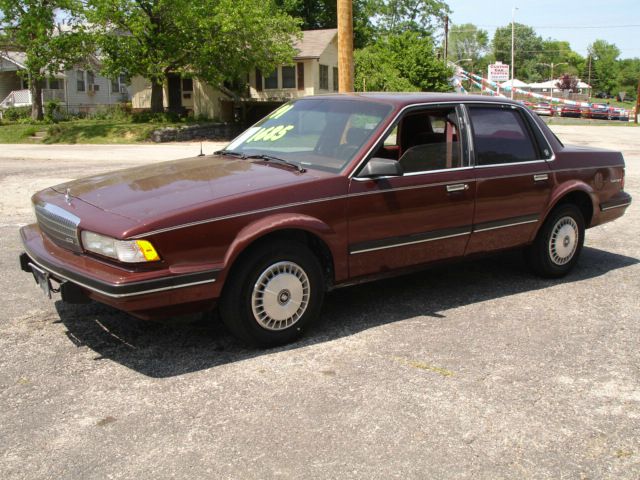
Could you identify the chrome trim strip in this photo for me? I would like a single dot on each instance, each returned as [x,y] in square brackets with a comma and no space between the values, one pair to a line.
[116,295]
[615,206]
[408,243]
[504,226]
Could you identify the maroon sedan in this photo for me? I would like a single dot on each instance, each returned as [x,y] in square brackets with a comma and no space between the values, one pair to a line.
[324,192]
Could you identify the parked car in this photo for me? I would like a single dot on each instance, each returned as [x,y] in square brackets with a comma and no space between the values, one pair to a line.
[616,113]
[570,111]
[323,193]
[543,108]
[599,110]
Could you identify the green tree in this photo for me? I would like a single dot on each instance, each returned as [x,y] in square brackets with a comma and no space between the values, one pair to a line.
[528,45]
[469,43]
[605,68]
[214,40]
[401,62]
[398,16]
[29,26]
[629,77]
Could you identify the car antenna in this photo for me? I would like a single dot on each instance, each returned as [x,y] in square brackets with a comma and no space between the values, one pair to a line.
[201,154]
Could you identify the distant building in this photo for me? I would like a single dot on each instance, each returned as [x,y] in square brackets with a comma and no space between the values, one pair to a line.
[313,70]
[81,90]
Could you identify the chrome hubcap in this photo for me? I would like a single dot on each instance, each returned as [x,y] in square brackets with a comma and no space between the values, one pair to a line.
[280,296]
[564,240]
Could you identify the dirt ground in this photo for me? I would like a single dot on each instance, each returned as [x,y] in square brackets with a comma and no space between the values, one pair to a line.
[472,371]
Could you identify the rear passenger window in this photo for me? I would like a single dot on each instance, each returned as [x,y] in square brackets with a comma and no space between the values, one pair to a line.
[500,136]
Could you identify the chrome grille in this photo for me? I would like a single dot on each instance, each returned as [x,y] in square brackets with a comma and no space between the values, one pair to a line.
[59,225]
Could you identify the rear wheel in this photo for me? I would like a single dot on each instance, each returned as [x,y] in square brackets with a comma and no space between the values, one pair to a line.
[274,294]
[559,242]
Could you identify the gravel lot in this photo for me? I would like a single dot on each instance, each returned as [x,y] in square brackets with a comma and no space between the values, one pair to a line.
[477,370]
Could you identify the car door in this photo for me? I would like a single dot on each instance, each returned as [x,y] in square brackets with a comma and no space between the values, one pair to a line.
[513,180]
[423,215]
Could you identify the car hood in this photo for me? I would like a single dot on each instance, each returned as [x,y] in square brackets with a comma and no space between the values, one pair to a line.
[145,192]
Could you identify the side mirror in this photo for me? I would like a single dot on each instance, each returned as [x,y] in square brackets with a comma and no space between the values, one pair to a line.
[381,167]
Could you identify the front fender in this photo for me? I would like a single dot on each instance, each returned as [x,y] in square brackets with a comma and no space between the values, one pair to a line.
[288,221]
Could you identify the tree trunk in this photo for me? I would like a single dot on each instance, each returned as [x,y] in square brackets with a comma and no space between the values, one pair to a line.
[36,100]
[157,94]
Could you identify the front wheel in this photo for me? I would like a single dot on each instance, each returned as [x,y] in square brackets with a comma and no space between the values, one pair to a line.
[559,242]
[274,294]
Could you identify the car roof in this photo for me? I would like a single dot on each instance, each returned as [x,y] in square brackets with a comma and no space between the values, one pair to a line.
[401,99]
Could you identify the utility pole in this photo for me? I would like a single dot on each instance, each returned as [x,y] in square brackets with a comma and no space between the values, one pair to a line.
[446,37]
[513,47]
[589,81]
[345,46]
[637,102]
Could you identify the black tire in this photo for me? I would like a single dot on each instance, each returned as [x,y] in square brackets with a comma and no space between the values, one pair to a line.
[556,249]
[258,316]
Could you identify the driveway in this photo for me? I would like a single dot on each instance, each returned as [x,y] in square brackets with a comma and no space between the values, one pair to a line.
[472,371]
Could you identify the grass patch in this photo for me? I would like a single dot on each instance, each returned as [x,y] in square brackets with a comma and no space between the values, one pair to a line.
[18,133]
[100,131]
[92,131]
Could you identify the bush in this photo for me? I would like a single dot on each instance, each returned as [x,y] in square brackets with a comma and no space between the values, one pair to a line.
[148,117]
[52,111]
[13,114]
[111,112]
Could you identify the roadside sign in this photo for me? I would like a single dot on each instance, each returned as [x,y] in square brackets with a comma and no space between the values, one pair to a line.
[498,72]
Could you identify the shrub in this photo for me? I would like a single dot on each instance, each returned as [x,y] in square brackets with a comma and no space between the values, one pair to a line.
[52,111]
[13,114]
[148,117]
[111,112]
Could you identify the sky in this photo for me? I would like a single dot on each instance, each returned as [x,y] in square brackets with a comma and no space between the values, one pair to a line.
[579,22]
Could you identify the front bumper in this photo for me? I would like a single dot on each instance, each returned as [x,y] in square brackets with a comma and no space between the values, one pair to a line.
[145,294]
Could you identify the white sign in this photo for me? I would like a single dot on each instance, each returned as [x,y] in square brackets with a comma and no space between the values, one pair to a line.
[498,72]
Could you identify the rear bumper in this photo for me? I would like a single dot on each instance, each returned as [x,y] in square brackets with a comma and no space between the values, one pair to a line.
[145,294]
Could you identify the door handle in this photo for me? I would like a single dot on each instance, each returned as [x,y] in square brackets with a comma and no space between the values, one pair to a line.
[457,187]
[541,177]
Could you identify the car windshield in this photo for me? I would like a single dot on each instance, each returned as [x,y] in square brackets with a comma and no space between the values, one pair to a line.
[321,133]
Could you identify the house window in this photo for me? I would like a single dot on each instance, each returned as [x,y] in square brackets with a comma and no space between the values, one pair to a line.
[324,77]
[187,84]
[300,76]
[272,80]
[55,84]
[80,85]
[288,77]
[91,78]
[258,80]
[335,79]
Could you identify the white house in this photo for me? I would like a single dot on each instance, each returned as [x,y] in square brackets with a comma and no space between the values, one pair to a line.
[80,90]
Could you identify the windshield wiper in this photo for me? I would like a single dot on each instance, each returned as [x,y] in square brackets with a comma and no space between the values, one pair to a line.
[271,158]
[232,153]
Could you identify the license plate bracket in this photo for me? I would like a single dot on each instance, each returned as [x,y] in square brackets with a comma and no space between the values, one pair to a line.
[42,279]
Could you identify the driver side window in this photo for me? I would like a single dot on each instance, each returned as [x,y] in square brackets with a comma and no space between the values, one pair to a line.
[430,140]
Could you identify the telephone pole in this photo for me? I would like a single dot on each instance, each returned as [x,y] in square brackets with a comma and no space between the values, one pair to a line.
[345,46]
[446,38]
[637,102]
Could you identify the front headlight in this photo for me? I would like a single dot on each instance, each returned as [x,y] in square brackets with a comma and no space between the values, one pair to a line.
[129,251]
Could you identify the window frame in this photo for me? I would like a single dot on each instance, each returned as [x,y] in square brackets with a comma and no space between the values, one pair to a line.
[271,77]
[323,85]
[463,133]
[535,133]
[80,77]
[292,70]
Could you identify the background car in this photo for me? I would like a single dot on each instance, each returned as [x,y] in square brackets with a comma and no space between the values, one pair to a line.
[543,108]
[570,111]
[617,113]
[599,110]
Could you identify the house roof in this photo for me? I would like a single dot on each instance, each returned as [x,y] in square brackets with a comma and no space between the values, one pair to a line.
[516,83]
[314,42]
[19,58]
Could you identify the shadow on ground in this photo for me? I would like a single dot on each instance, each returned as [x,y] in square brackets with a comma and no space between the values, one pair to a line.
[165,349]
